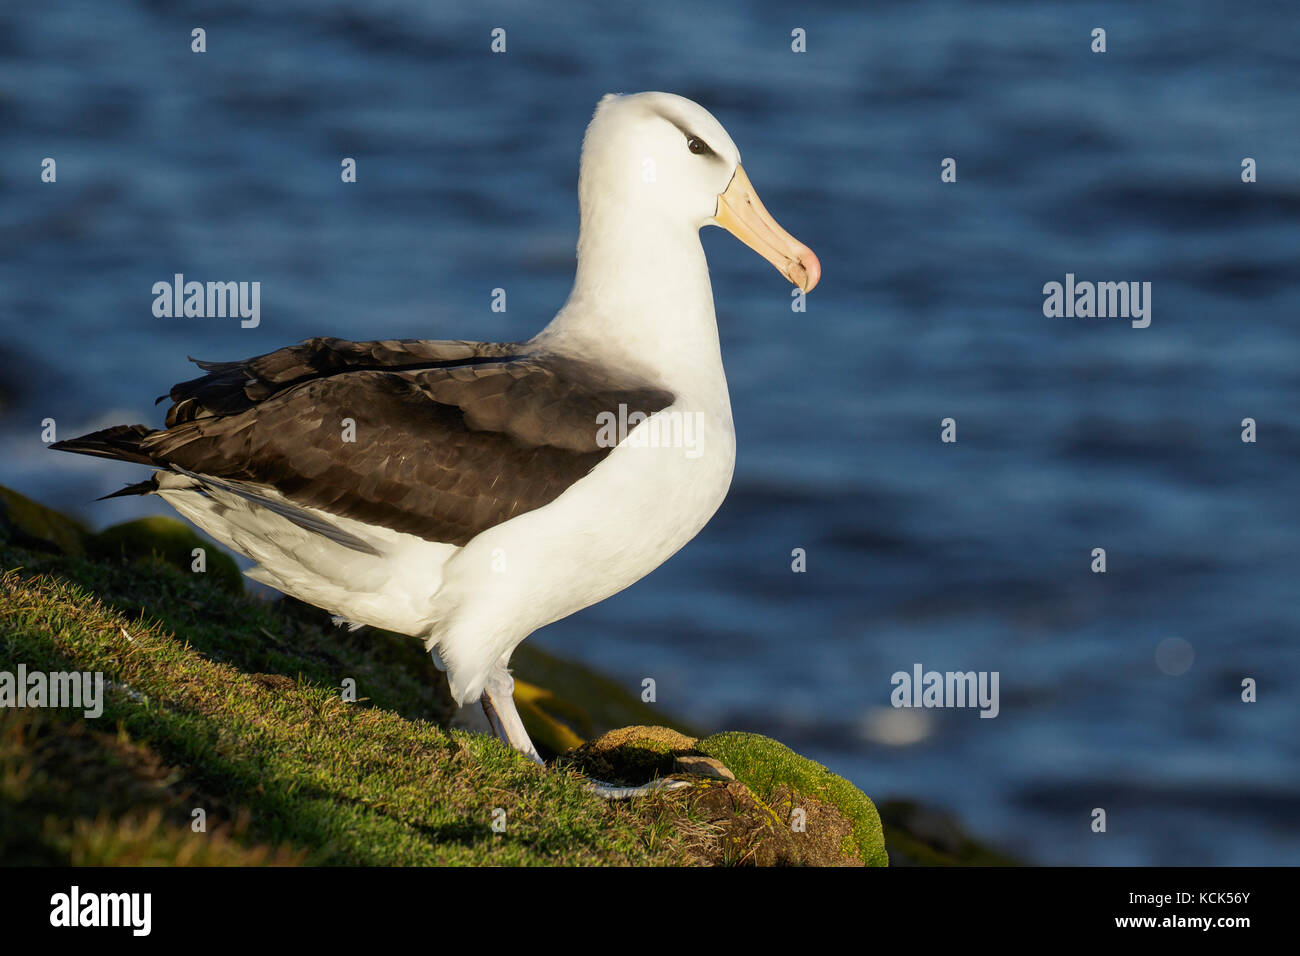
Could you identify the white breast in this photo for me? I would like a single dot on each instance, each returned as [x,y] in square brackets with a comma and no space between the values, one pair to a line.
[648,498]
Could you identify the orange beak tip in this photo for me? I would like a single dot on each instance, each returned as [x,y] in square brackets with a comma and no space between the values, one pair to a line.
[741,213]
[812,268]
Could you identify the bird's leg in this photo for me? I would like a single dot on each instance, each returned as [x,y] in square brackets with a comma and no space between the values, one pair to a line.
[499,705]
[498,702]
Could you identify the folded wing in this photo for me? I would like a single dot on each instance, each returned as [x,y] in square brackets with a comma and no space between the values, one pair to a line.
[437,439]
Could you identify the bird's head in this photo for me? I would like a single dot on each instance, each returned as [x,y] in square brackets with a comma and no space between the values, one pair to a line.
[668,161]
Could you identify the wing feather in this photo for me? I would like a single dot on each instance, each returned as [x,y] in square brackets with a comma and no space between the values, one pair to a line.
[451,438]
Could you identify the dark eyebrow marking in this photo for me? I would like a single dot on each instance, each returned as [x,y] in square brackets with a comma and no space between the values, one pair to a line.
[708,150]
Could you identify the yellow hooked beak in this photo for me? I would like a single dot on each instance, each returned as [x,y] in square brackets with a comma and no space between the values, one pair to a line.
[741,213]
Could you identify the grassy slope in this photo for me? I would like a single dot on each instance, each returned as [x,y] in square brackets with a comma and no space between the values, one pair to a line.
[244,717]
[233,705]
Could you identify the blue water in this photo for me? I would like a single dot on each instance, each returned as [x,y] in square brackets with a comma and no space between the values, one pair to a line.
[1073,433]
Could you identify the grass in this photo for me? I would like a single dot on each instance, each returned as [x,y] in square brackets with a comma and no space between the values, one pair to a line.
[244,717]
[227,739]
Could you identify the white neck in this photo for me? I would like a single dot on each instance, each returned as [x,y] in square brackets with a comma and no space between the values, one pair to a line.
[642,300]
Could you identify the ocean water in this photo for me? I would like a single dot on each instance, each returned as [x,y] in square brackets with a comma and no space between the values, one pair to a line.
[1073,433]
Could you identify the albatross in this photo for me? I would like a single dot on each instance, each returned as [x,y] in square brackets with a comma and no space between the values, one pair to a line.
[469,493]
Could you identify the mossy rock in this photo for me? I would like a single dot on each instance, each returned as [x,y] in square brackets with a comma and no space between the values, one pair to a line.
[747,821]
[171,541]
[630,756]
[745,830]
[30,525]
[777,774]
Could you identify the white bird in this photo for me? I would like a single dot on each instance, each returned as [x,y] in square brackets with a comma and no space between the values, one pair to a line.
[470,493]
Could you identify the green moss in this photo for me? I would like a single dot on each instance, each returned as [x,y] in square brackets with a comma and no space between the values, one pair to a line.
[171,541]
[764,765]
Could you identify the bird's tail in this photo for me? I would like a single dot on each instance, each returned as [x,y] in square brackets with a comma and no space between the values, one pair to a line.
[121,443]
[146,487]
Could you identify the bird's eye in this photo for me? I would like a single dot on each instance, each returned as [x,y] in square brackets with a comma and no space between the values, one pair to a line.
[697,146]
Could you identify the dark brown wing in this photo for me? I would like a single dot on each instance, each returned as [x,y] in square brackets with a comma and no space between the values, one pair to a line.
[230,387]
[450,438]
